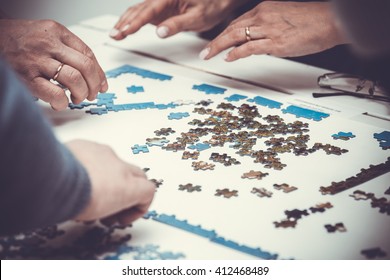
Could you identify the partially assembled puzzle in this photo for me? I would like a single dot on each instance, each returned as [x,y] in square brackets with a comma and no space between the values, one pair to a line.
[237,175]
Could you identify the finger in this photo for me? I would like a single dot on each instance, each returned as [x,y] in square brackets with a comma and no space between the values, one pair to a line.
[141,15]
[72,79]
[126,217]
[262,46]
[120,30]
[81,57]
[67,76]
[136,171]
[230,39]
[177,24]
[109,221]
[50,93]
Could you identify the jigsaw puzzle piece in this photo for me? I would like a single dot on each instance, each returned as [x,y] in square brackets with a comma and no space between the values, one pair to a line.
[236,97]
[178,115]
[305,113]
[272,104]
[135,89]
[209,89]
[139,148]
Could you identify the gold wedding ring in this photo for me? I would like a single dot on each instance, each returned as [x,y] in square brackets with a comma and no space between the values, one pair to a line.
[58,71]
[247,34]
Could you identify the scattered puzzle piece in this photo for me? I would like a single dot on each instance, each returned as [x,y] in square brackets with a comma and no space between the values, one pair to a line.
[135,89]
[156,182]
[202,165]
[178,116]
[361,195]
[295,214]
[139,148]
[261,192]
[176,146]
[343,136]
[200,147]
[226,193]
[374,253]
[224,159]
[321,207]
[189,155]
[285,187]
[384,139]
[155,141]
[337,227]
[254,175]
[286,223]
[190,188]
[164,131]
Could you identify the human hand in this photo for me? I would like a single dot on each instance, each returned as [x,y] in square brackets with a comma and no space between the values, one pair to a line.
[173,16]
[36,49]
[120,191]
[283,29]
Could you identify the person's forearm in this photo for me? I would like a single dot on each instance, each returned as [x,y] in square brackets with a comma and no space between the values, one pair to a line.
[41,183]
[367,24]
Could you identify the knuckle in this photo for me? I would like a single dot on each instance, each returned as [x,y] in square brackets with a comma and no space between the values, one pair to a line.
[251,47]
[88,52]
[51,25]
[237,36]
[74,77]
[88,65]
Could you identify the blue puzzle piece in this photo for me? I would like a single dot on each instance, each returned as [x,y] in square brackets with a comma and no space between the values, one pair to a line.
[211,235]
[236,97]
[184,225]
[97,111]
[178,116]
[343,135]
[135,89]
[166,106]
[137,71]
[82,105]
[305,113]
[384,139]
[209,89]
[150,214]
[106,96]
[272,104]
[245,249]
[147,252]
[200,147]
[140,148]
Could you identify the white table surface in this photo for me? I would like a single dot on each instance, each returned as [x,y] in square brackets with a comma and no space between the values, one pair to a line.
[271,77]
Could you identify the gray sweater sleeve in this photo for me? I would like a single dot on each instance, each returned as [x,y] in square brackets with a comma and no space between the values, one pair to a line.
[41,183]
[367,24]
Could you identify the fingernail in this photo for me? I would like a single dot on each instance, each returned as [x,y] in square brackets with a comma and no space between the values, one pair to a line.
[204,53]
[162,31]
[103,86]
[125,27]
[114,32]
[226,57]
